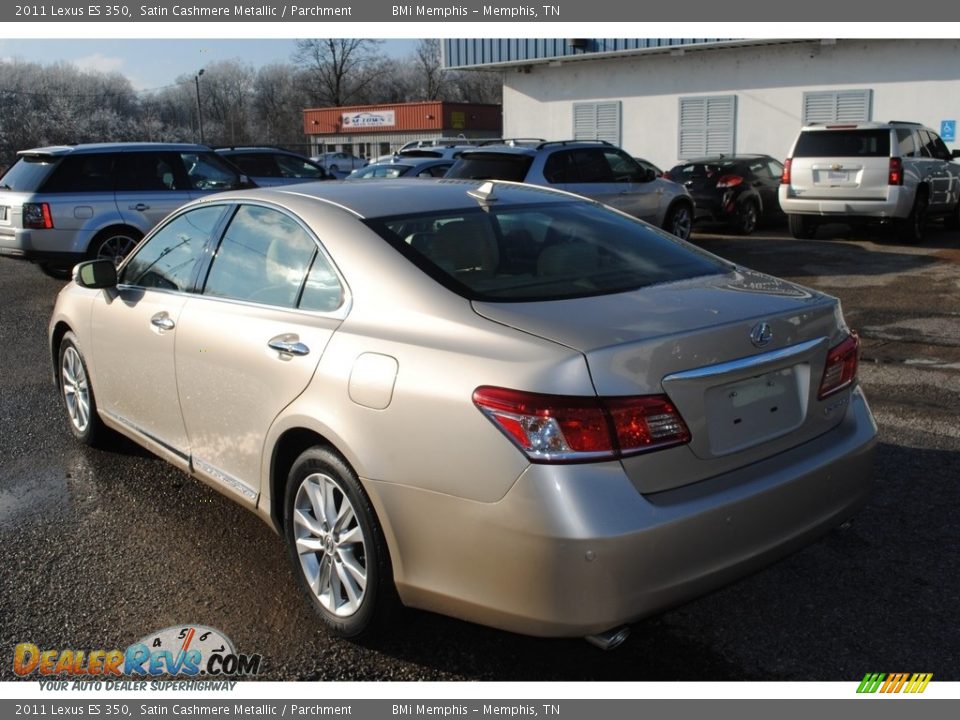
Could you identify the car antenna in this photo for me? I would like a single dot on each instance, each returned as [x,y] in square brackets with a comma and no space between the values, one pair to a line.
[484,193]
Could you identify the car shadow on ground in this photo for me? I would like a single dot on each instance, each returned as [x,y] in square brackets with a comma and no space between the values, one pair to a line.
[829,254]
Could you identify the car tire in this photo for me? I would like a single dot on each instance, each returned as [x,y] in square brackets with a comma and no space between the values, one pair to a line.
[952,221]
[679,221]
[802,227]
[748,217]
[913,227]
[114,244]
[57,272]
[76,391]
[336,545]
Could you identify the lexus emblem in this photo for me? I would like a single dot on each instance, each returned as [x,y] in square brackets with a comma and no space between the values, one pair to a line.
[761,334]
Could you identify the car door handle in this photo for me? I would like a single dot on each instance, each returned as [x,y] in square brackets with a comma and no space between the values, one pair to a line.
[140,207]
[288,344]
[163,321]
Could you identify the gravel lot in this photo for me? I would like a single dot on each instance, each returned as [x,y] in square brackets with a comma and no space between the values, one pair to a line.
[101,548]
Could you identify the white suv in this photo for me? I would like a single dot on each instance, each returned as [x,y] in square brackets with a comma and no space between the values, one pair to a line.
[899,172]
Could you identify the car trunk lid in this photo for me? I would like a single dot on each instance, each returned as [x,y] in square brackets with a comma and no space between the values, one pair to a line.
[697,341]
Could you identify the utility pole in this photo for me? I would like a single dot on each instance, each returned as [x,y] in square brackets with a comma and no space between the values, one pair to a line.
[196,79]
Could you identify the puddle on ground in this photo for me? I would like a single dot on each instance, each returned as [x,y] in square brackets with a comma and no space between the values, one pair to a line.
[31,487]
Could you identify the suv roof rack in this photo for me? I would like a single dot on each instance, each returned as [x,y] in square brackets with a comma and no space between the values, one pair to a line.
[547,143]
[512,142]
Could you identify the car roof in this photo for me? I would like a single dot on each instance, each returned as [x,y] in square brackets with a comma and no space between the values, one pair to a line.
[112,147]
[727,158]
[388,197]
[873,125]
[237,150]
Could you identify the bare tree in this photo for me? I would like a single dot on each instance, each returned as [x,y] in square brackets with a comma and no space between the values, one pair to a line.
[339,70]
[427,63]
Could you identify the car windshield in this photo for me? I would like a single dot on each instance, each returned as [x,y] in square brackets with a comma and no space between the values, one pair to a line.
[28,173]
[697,170]
[542,252]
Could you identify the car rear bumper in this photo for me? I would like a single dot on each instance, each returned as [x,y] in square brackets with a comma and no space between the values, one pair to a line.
[897,204]
[25,245]
[576,549]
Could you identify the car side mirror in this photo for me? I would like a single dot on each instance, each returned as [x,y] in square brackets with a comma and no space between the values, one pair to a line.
[96,274]
[649,175]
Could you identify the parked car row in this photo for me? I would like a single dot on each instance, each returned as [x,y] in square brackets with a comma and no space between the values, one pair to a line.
[63,204]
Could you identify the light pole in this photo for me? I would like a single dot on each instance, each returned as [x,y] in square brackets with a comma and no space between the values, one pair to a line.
[196,79]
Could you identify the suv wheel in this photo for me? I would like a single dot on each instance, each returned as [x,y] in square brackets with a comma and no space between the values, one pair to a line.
[802,227]
[911,229]
[114,244]
[747,218]
[952,221]
[679,221]
[336,545]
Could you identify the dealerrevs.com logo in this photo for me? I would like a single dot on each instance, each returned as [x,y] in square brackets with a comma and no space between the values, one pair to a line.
[888,683]
[179,650]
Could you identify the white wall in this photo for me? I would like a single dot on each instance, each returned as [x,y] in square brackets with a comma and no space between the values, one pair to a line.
[916,80]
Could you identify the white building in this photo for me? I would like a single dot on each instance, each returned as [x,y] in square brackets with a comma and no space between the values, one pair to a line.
[668,100]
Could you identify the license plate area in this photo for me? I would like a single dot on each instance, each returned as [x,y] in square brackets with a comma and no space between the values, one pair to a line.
[756,410]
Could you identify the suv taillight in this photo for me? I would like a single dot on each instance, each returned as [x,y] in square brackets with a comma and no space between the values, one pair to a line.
[564,429]
[785,178]
[37,216]
[895,174]
[841,368]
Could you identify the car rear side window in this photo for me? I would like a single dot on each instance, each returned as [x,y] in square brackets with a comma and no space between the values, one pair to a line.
[150,171]
[542,252]
[83,173]
[263,257]
[843,143]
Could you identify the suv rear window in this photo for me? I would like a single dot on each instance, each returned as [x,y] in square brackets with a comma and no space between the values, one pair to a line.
[843,143]
[28,173]
[491,166]
[542,252]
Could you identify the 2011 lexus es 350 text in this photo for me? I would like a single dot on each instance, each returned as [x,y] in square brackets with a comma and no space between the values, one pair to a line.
[500,402]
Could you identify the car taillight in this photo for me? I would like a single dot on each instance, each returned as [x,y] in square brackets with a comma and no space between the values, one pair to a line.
[785,178]
[895,175]
[729,181]
[563,429]
[841,368]
[37,216]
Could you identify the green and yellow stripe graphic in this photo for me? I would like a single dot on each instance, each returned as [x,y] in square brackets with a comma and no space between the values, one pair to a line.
[894,682]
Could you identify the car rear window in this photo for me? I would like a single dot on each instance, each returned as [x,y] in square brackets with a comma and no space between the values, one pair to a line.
[843,143]
[542,252]
[491,166]
[28,173]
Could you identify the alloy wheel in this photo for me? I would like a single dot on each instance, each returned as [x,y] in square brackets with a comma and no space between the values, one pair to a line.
[330,544]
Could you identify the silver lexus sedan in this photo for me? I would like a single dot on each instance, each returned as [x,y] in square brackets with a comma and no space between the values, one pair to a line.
[500,402]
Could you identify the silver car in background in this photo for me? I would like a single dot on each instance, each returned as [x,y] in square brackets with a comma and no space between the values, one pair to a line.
[592,168]
[495,401]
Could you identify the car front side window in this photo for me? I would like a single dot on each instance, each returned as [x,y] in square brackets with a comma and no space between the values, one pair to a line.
[168,259]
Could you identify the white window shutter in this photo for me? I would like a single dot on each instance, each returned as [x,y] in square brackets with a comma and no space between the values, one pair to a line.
[837,106]
[707,126]
[597,121]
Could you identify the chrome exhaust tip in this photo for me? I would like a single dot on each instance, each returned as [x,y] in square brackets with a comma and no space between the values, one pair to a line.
[610,639]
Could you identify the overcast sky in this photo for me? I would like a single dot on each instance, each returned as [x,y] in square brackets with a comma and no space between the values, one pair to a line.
[151,64]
